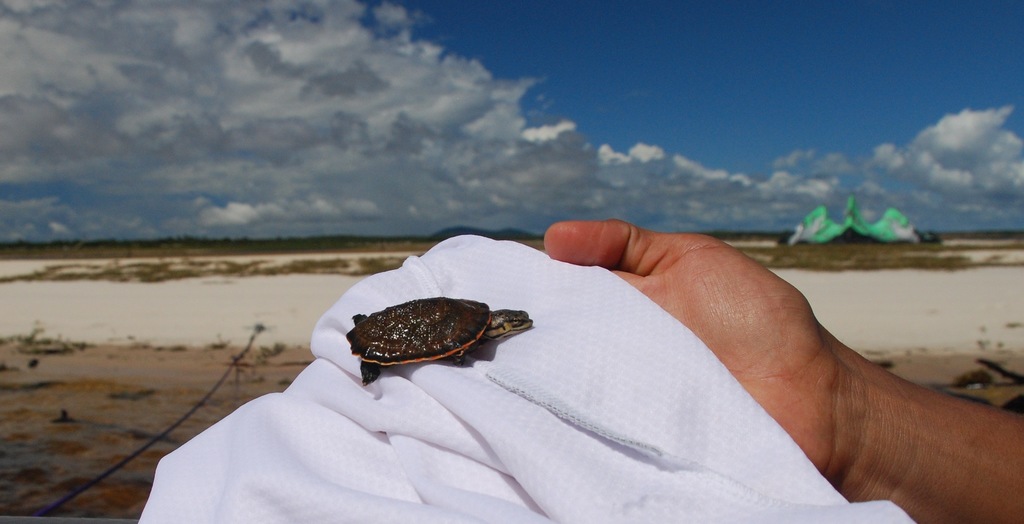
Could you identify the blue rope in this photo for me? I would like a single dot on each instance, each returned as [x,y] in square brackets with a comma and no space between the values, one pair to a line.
[257,329]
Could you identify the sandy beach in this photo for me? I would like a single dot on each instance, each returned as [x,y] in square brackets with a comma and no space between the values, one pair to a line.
[125,359]
[183,312]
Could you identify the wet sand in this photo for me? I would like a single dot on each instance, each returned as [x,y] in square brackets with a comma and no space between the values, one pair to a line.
[68,416]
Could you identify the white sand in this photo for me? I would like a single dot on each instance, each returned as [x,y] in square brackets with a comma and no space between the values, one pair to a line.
[912,310]
[181,312]
[191,311]
[876,312]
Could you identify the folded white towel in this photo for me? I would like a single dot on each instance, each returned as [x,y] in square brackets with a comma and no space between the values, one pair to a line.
[608,410]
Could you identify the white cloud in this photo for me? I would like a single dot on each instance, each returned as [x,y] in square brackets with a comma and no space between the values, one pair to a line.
[313,208]
[282,117]
[58,229]
[32,217]
[646,153]
[392,17]
[640,152]
[257,105]
[970,135]
[609,156]
[546,133]
[233,214]
[963,155]
[783,184]
[793,159]
[695,169]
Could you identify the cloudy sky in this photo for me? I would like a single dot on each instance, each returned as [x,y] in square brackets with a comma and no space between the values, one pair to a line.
[151,119]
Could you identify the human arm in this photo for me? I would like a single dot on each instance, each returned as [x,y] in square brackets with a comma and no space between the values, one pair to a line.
[871,434]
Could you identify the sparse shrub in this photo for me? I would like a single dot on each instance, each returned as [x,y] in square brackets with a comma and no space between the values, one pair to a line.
[374,265]
[975,378]
[266,353]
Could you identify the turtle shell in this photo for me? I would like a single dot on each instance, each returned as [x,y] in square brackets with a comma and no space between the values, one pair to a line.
[423,329]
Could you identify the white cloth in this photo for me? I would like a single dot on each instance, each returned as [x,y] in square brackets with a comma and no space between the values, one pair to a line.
[608,410]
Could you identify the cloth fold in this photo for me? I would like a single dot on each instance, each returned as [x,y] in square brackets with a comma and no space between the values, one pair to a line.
[608,410]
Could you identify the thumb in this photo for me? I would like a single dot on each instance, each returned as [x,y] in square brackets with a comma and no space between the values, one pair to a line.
[619,245]
[590,243]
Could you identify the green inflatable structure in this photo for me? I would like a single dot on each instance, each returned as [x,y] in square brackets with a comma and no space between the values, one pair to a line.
[818,228]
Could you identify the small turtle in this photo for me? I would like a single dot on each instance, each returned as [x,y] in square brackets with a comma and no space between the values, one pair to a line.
[428,329]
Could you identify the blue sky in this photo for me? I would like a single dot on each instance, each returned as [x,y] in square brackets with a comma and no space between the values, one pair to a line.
[151,119]
[735,84]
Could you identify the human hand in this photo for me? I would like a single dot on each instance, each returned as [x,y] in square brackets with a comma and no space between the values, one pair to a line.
[758,325]
[871,434]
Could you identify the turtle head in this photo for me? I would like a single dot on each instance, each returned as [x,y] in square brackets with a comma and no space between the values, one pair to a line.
[507,322]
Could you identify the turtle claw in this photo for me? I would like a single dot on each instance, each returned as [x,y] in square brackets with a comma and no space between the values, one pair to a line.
[370,371]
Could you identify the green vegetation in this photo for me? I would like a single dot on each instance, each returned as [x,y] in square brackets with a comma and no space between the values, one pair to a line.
[35,343]
[195,246]
[191,246]
[839,257]
[370,266]
[160,270]
[173,259]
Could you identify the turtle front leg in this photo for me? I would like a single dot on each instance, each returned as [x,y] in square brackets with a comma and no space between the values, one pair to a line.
[459,358]
[370,371]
